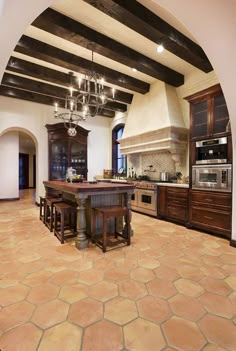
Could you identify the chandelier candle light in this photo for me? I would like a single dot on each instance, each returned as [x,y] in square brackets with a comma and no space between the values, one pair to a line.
[86,100]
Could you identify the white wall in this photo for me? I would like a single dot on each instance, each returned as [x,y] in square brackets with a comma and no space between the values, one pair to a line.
[9,165]
[32,117]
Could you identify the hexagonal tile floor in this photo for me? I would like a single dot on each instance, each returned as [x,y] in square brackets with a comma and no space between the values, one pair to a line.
[172,289]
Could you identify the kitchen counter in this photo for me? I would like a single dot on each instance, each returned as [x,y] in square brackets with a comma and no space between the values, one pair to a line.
[176,185]
[89,195]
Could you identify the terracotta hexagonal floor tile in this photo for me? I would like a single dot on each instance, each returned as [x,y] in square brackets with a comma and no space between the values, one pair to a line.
[103,291]
[212,347]
[116,274]
[120,310]
[65,277]
[37,278]
[91,276]
[217,286]
[154,309]
[166,273]
[161,288]
[64,336]
[142,275]
[16,314]
[132,289]
[149,262]
[212,260]
[190,272]
[104,336]
[20,336]
[73,293]
[228,259]
[183,335]
[214,272]
[126,263]
[13,294]
[85,312]
[219,331]
[103,264]
[230,268]
[231,281]
[143,335]
[232,298]
[43,293]
[186,307]
[218,304]
[50,313]
[188,287]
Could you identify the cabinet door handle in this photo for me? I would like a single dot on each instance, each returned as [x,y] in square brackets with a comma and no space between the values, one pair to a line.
[208,217]
[209,200]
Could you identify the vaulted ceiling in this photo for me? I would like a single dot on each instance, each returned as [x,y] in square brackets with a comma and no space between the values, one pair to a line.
[123,36]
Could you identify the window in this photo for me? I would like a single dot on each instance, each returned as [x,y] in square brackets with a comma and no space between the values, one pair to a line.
[119,161]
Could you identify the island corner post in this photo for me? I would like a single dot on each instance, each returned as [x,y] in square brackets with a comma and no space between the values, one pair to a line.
[88,196]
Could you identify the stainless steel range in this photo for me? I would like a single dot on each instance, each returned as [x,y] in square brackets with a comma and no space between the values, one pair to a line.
[144,199]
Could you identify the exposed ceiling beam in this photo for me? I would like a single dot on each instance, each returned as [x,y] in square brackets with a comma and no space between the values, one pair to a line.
[137,17]
[50,75]
[55,92]
[49,53]
[71,30]
[41,99]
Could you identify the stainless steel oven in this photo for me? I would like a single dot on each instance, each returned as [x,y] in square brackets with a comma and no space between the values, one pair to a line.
[209,177]
[211,151]
[145,200]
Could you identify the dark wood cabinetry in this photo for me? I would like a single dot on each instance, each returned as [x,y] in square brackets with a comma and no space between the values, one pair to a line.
[211,211]
[173,203]
[209,115]
[65,151]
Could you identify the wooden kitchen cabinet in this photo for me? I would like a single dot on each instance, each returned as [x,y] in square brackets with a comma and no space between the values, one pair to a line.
[209,115]
[65,151]
[211,211]
[173,204]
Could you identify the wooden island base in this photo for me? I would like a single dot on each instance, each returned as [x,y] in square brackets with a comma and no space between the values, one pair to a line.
[88,196]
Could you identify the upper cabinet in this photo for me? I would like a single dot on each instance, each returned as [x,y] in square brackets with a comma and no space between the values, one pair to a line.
[209,115]
[65,151]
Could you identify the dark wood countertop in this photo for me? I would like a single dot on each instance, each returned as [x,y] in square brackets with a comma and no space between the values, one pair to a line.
[87,186]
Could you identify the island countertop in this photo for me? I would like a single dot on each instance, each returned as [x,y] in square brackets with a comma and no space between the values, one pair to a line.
[87,187]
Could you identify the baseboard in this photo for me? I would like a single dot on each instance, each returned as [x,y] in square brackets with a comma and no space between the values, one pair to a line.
[233,243]
[10,199]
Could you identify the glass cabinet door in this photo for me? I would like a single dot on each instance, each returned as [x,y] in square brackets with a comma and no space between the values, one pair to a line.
[59,160]
[78,158]
[221,115]
[200,119]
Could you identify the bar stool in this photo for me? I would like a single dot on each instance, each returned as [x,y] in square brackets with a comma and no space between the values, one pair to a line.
[105,240]
[65,221]
[42,208]
[49,211]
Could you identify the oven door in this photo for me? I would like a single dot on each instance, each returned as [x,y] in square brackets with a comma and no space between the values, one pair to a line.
[212,177]
[147,199]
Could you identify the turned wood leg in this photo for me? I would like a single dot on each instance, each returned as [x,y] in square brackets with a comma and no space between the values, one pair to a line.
[81,241]
[104,235]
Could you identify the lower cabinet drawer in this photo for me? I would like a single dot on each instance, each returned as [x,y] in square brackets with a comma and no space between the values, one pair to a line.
[178,213]
[212,219]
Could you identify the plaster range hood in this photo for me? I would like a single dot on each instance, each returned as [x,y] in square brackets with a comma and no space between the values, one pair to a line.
[155,124]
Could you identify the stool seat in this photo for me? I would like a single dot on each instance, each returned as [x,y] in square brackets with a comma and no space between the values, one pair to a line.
[65,221]
[119,237]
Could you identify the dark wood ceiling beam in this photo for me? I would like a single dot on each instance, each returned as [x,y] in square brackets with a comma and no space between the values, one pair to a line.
[41,99]
[15,81]
[71,30]
[137,17]
[37,49]
[41,72]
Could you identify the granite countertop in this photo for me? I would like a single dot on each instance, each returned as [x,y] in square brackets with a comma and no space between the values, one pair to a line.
[176,185]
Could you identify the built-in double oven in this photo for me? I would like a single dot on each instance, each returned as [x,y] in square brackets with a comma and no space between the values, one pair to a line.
[212,170]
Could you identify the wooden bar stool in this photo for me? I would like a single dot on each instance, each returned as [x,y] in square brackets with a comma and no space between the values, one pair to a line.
[118,237]
[42,208]
[49,211]
[65,220]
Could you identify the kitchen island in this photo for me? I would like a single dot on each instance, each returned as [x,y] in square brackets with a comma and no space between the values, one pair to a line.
[88,195]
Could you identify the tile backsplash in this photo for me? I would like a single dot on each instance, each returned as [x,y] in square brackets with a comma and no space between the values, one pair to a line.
[160,162]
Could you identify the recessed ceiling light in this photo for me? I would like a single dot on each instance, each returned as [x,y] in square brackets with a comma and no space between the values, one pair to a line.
[134,70]
[160,48]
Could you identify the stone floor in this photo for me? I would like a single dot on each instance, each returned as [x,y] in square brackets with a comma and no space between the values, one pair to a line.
[172,289]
